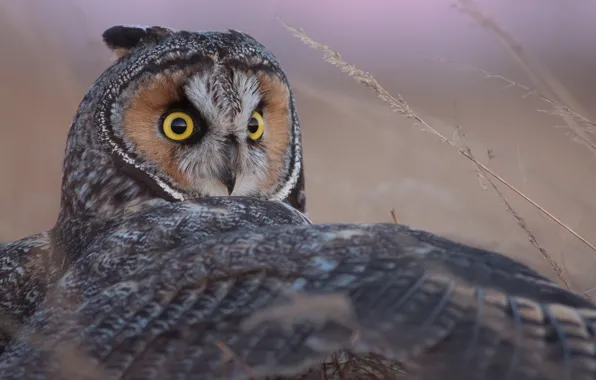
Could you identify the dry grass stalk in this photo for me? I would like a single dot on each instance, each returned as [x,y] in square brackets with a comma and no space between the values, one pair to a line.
[520,221]
[528,90]
[399,105]
[481,177]
[541,78]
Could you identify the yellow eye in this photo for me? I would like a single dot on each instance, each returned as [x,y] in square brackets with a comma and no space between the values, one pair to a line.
[256,126]
[178,126]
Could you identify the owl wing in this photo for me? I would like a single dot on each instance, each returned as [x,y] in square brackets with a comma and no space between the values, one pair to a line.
[26,267]
[278,301]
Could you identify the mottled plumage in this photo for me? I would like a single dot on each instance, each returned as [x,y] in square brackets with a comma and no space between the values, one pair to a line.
[111,149]
[150,273]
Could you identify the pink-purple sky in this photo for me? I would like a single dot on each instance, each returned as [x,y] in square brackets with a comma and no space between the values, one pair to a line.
[547,26]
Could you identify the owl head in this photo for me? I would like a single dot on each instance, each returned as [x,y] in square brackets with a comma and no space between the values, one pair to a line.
[184,114]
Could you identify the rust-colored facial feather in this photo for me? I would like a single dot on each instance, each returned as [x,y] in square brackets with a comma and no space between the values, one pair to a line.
[276,97]
[141,121]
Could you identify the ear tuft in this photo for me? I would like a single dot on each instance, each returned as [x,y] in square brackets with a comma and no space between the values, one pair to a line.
[121,39]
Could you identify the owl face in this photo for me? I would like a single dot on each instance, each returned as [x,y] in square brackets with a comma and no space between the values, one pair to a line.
[200,114]
[211,128]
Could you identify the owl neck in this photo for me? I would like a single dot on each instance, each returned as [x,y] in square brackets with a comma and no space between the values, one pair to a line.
[98,190]
[93,184]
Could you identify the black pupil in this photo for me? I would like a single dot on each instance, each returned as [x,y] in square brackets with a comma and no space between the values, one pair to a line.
[253,125]
[179,125]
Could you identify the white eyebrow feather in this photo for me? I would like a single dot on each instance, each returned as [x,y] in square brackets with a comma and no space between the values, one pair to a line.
[247,87]
[197,93]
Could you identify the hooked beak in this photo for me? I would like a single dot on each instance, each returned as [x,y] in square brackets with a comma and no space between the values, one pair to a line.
[228,174]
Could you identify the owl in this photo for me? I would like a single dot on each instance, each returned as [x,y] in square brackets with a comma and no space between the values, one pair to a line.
[182,249]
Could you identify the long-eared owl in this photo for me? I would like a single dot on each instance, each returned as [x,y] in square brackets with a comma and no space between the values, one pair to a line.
[181,250]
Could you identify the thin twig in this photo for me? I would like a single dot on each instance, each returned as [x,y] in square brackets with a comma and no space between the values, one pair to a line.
[394,216]
[230,355]
[399,105]
[589,291]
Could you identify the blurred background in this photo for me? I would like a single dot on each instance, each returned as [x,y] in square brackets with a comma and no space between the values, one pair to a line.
[362,160]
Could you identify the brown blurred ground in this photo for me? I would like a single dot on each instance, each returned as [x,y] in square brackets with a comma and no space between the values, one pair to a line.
[361,159]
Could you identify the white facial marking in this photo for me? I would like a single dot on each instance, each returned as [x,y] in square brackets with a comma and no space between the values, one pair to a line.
[248,92]
[203,163]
